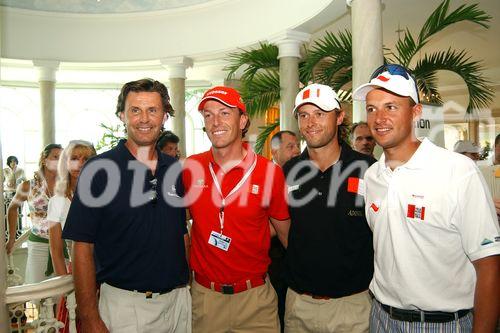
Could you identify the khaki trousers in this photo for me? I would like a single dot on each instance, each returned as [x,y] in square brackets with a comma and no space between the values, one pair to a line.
[250,311]
[126,311]
[348,314]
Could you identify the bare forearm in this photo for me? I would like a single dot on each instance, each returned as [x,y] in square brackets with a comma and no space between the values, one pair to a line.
[85,281]
[12,216]
[57,248]
[56,252]
[487,295]
[282,228]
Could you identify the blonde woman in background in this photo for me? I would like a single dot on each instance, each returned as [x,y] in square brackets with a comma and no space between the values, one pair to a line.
[70,164]
[37,193]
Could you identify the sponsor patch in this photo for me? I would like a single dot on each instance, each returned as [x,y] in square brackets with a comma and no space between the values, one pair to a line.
[415,212]
[354,212]
[356,185]
[486,241]
[255,189]
[374,207]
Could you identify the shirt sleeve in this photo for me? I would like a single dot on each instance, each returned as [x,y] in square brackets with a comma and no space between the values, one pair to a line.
[179,186]
[278,207]
[82,223]
[475,215]
[55,209]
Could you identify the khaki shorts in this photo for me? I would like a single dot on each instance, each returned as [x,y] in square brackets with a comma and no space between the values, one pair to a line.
[350,314]
[252,311]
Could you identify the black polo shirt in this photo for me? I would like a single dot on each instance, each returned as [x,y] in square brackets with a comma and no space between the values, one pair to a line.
[138,240]
[330,249]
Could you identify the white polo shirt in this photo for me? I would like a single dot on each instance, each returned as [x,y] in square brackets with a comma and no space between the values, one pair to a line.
[430,218]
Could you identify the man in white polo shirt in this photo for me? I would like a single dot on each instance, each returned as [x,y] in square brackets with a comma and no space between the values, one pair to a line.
[436,238]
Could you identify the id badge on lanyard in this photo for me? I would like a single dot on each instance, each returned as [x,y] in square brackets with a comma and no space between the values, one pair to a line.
[218,239]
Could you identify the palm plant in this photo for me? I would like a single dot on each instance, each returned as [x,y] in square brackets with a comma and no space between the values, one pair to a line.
[260,88]
[425,69]
[329,61]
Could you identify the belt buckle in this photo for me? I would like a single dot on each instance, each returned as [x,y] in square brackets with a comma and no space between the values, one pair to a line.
[149,294]
[227,289]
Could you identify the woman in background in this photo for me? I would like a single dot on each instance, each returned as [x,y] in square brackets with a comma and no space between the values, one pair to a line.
[37,193]
[13,175]
[70,164]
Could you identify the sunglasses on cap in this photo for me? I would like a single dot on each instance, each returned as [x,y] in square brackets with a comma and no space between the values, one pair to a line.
[393,69]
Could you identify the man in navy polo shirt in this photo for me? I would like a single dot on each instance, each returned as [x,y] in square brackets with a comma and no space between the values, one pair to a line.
[128,225]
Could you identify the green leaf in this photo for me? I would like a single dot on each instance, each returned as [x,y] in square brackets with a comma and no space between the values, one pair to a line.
[110,138]
[329,56]
[261,93]
[407,47]
[459,62]
[254,60]
[264,134]
[439,19]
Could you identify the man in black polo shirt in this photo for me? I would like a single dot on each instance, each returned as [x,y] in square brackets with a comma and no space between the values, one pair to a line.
[128,225]
[330,254]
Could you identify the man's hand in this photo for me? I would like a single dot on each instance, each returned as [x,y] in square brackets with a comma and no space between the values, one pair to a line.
[93,326]
[9,245]
[497,205]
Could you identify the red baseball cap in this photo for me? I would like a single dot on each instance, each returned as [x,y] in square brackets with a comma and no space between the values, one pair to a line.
[225,95]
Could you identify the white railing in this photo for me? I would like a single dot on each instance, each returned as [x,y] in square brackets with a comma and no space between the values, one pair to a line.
[43,293]
[23,238]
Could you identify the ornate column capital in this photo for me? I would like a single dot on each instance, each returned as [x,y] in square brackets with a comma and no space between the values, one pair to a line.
[289,42]
[177,66]
[46,69]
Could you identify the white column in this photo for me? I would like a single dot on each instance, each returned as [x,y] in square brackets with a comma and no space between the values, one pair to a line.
[47,85]
[367,53]
[289,43]
[4,318]
[177,77]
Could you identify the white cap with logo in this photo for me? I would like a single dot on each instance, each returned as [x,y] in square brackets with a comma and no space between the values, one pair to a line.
[323,96]
[395,83]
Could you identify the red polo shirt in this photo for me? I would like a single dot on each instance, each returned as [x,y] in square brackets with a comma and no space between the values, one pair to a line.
[246,215]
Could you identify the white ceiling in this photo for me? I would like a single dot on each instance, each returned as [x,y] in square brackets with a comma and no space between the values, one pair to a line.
[100,6]
[112,48]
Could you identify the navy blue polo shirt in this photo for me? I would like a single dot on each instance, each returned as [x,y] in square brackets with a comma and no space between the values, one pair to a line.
[136,220]
[330,248]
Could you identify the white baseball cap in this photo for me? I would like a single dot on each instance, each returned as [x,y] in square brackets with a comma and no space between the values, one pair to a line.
[324,97]
[395,82]
[466,146]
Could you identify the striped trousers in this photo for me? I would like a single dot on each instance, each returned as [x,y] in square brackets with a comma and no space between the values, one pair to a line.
[380,322]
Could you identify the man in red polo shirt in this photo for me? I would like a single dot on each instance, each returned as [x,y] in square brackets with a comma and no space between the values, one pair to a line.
[232,194]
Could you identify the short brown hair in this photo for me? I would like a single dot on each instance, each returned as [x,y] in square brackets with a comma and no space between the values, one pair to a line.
[144,85]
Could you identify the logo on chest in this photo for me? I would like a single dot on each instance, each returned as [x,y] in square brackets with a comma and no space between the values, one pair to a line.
[416,208]
[200,183]
[415,212]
